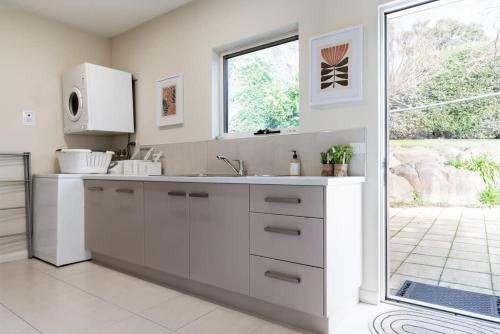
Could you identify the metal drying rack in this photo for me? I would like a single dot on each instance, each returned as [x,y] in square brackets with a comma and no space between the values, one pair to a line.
[28,197]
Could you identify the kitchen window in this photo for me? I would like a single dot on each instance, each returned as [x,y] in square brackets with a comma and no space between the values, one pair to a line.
[261,88]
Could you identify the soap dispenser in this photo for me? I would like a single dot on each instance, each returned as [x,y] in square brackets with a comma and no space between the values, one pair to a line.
[295,164]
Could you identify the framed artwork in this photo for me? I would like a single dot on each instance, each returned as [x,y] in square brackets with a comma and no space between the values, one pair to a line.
[336,73]
[170,100]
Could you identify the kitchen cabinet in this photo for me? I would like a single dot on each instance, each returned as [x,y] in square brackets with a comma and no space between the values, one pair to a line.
[288,251]
[219,238]
[114,219]
[166,220]
[98,230]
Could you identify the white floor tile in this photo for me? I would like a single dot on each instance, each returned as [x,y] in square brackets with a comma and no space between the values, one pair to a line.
[179,311]
[134,325]
[223,320]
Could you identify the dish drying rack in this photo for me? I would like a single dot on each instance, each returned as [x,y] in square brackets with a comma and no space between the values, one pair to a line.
[15,169]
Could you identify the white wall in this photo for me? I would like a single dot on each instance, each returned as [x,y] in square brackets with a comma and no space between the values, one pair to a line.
[34,53]
[184,40]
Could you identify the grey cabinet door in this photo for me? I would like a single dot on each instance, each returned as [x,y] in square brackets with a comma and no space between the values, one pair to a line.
[219,245]
[127,221]
[98,229]
[166,227]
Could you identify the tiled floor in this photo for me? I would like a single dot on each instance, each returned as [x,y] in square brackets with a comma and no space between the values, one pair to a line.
[452,247]
[87,298]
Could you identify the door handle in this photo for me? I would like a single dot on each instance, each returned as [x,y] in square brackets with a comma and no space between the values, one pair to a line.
[199,195]
[282,277]
[125,191]
[177,193]
[279,230]
[95,188]
[288,200]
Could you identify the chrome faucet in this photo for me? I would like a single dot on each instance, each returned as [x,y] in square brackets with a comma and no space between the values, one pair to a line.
[241,166]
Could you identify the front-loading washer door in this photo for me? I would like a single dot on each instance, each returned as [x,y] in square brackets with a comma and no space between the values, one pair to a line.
[74,104]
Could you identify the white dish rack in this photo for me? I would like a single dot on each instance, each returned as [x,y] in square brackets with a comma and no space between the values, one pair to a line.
[83,161]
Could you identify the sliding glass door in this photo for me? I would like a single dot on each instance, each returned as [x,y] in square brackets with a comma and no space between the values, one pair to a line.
[443,156]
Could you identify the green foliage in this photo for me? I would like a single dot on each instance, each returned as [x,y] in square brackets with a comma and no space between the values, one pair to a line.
[490,196]
[417,198]
[341,154]
[488,168]
[327,157]
[264,98]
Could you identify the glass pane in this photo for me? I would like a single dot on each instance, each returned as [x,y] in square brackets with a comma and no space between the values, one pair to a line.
[443,175]
[443,51]
[263,89]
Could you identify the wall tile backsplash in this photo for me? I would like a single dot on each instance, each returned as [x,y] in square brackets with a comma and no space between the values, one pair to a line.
[262,155]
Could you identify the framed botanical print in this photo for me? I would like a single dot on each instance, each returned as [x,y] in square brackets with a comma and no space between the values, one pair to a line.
[336,73]
[170,100]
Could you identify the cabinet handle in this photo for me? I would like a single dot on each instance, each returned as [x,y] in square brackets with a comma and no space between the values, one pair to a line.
[125,191]
[177,193]
[282,277]
[200,195]
[279,230]
[95,188]
[290,200]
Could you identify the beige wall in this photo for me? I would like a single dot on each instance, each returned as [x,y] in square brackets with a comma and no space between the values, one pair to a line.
[183,42]
[34,53]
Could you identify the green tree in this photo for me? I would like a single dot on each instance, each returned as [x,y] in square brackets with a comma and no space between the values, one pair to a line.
[263,98]
[445,61]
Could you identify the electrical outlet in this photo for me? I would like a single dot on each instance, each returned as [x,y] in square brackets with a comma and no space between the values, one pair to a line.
[358,148]
[29,118]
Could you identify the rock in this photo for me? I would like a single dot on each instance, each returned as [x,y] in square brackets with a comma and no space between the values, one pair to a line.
[464,186]
[433,186]
[442,184]
[409,173]
[449,153]
[400,190]
[416,154]
[392,161]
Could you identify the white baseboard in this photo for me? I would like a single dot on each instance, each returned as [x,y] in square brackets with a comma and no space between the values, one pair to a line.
[14,256]
[369,296]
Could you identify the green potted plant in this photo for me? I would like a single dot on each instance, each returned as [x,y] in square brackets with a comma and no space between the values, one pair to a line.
[326,163]
[342,154]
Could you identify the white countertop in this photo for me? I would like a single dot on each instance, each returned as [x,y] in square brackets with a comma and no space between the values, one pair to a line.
[284,180]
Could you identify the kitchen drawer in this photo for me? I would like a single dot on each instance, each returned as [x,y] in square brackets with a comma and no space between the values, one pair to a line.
[288,284]
[295,239]
[305,201]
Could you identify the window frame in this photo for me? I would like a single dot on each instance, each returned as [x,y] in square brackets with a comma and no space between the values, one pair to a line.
[246,49]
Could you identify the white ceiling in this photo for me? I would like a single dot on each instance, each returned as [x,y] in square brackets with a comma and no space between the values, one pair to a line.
[105,18]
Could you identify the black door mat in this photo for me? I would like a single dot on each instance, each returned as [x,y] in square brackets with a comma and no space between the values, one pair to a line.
[463,300]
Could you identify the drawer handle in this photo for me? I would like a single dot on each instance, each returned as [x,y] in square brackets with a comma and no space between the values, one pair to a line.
[125,191]
[199,195]
[279,230]
[289,200]
[282,277]
[95,188]
[177,193]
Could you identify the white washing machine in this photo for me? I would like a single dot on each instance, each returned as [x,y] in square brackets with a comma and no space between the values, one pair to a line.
[97,100]
[58,219]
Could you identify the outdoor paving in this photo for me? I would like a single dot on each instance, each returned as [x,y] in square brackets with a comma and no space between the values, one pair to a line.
[452,247]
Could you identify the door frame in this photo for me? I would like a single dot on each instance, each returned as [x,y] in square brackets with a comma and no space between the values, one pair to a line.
[383,149]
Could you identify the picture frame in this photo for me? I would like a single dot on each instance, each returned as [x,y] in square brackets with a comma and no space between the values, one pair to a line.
[170,100]
[336,67]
